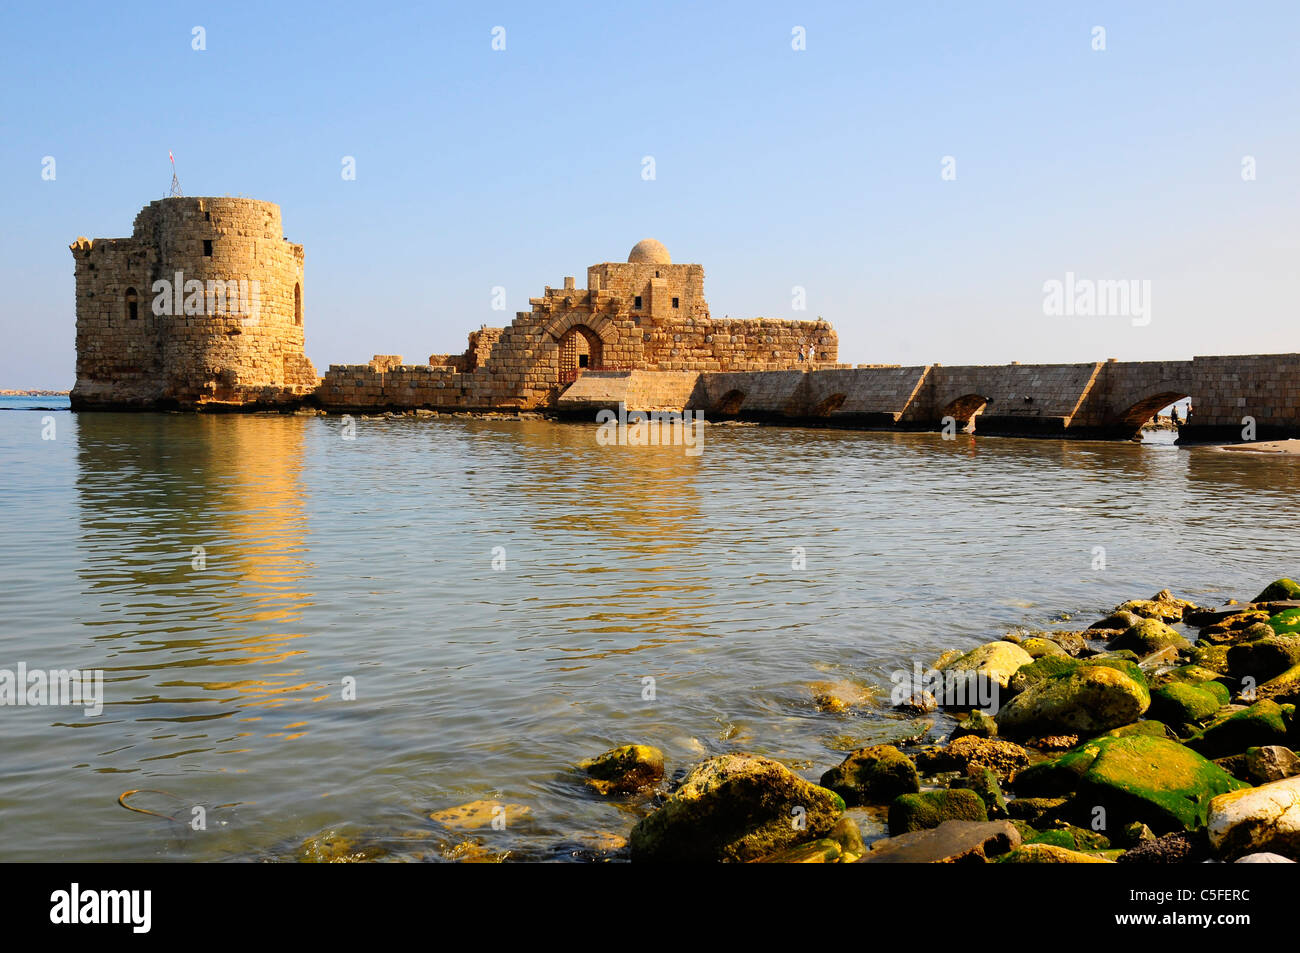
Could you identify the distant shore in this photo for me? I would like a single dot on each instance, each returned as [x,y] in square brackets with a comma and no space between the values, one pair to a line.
[4,392]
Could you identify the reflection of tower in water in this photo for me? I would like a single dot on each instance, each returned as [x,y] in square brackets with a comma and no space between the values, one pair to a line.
[192,538]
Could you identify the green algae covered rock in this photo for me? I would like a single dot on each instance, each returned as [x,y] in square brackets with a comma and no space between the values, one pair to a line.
[1087,699]
[984,782]
[1048,854]
[1037,647]
[1136,778]
[1279,591]
[1282,688]
[625,769]
[1263,723]
[1180,702]
[918,812]
[1071,837]
[735,807]
[1286,622]
[1264,658]
[873,775]
[1149,635]
[978,723]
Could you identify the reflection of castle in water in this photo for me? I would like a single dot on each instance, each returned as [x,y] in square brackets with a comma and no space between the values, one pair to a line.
[192,539]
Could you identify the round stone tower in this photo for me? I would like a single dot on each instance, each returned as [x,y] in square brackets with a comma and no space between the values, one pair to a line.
[202,305]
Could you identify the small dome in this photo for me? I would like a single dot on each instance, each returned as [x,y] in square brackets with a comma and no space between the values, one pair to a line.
[649,252]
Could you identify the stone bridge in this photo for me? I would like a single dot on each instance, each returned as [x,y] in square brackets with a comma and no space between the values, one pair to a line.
[1100,399]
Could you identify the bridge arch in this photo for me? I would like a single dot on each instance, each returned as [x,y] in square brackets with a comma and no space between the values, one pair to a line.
[964,410]
[729,403]
[828,406]
[1142,410]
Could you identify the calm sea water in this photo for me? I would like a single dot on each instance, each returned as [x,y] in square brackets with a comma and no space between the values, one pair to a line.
[325,559]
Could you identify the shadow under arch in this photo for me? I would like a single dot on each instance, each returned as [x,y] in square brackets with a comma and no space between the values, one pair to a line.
[964,410]
[729,404]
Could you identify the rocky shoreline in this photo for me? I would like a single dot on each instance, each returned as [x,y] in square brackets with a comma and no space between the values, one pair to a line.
[1163,733]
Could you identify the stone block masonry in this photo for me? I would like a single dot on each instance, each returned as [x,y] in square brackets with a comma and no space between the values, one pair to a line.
[640,333]
[201,307]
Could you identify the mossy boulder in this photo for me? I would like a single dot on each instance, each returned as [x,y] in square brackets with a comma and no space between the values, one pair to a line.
[1117,621]
[735,807]
[1086,700]
[624,770]
[1136,778]
[1180,702]
[873,775]
[1282,688]
[1148,636]
[918,812]
[977,723]
[1279,591]
[1071,837]
[1162,607]
[1037,647]
[1263,723]
[1286,622]
[984,782]
[1213,658]
[1264,658]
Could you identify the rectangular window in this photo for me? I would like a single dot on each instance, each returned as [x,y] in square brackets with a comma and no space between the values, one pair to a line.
[676,302]
[636,302]
[207,247]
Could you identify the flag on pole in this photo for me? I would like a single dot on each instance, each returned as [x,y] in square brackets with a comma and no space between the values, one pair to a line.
[170,156]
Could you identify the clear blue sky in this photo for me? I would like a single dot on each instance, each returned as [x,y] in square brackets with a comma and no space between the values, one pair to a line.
[775,168]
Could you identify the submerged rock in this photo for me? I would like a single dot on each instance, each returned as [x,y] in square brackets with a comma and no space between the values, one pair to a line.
[1087,699]
[332,847]
[735,807]
[873,775]
[1135,778]
[479,814]
[952,842]
[915,812]
[624,770]
[1266,818]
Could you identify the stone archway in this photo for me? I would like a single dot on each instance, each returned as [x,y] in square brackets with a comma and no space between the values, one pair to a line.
[580,349]
[964,410]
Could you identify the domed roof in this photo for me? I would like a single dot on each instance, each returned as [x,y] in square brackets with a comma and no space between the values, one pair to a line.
[649,252]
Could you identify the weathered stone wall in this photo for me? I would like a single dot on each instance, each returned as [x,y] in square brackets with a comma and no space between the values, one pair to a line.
[225,329]
[635,316]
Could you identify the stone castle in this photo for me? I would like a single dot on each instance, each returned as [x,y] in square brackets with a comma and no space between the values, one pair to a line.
[157,325]
[202,307]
